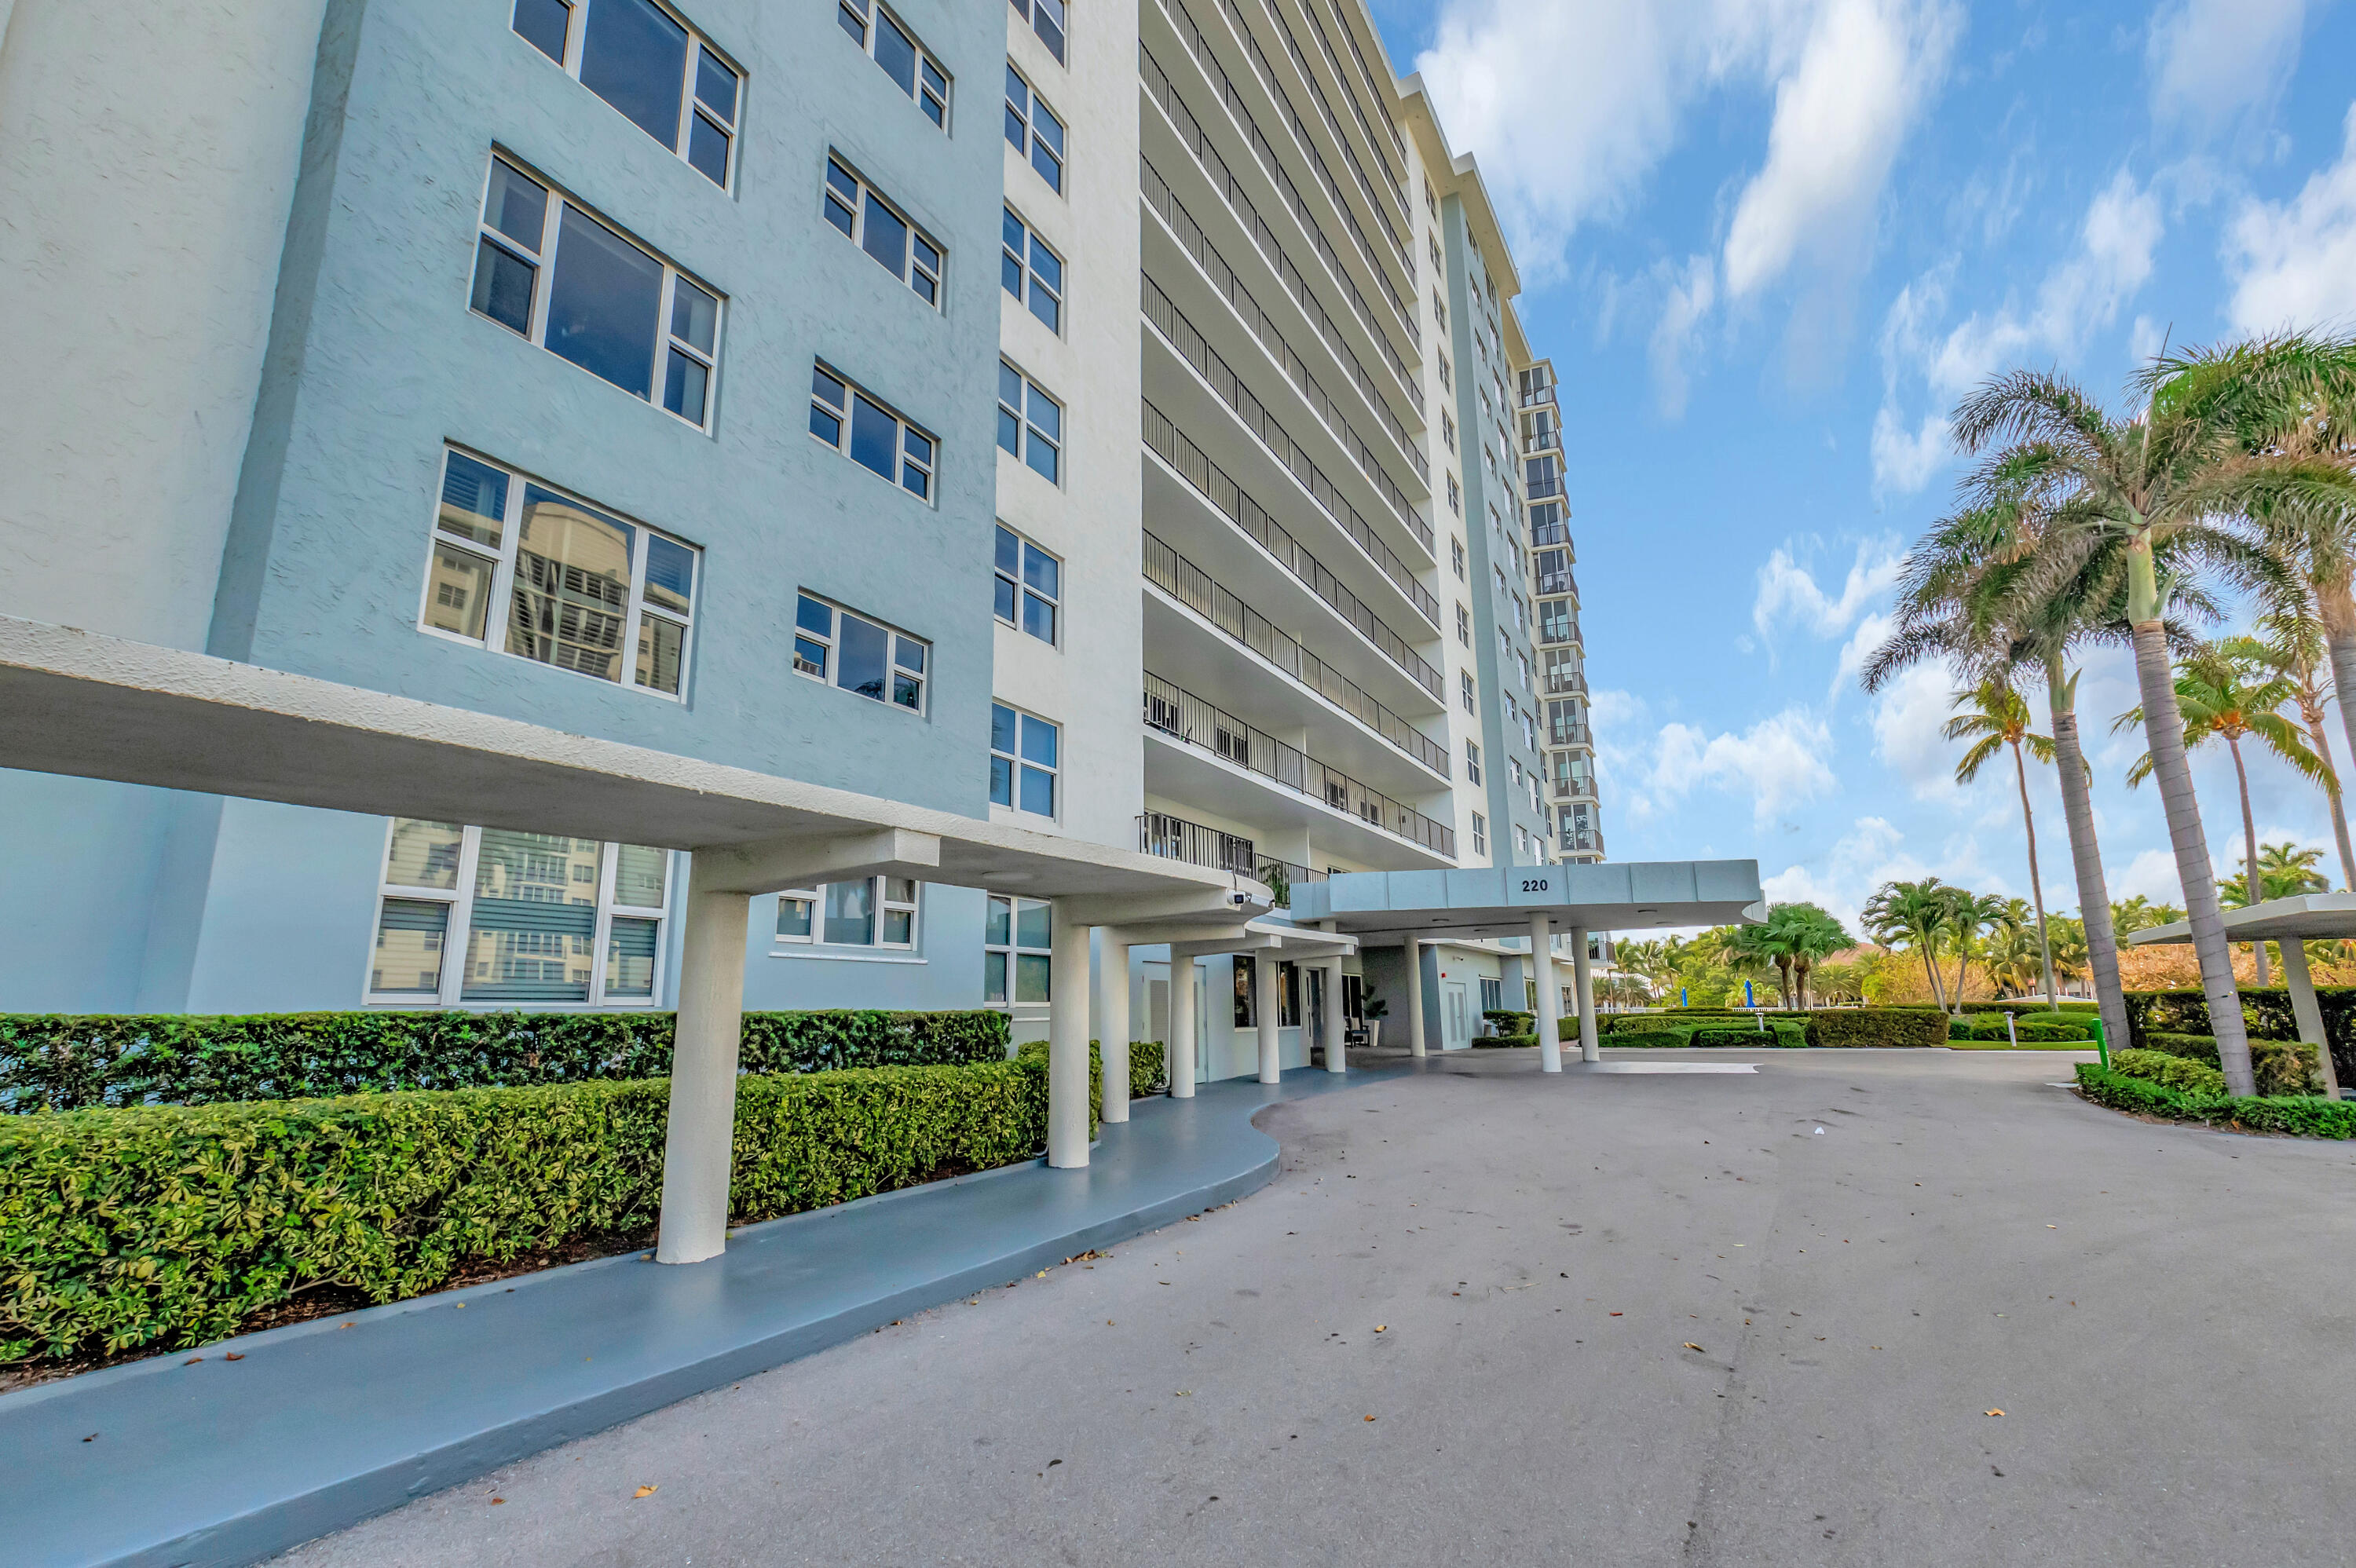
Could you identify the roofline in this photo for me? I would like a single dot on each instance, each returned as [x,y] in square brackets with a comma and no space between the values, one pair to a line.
[1463,182]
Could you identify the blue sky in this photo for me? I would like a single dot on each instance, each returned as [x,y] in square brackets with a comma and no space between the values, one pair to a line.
[1768,245]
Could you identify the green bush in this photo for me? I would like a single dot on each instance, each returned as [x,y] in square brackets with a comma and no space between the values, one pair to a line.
[71,1062]
[2301,1115]
[1959,1028]
[2175,1071]
[1846,1028]
[2265,1014]
[1508,1021]
[1503,1041]
[2279,1066]
[1149,1069]
[1635,1040]
[1989,1026]
[164,1226]
[1779,1036]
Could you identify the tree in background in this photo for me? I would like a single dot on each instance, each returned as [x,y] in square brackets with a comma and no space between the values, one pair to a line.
[2139,914]
[1808,932]
[1912,915]
[1969,914]
[2291,644]
[2223,694]
[1994,718]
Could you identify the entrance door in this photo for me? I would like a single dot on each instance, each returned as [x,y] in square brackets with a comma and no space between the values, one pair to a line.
[1459,1017]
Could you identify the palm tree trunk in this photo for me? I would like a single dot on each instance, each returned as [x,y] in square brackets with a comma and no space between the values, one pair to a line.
[2164,726]
[2254,887]
[1962,967]
[1930,966]
[2335,606]
[2086,856]
[2036,882]
[2321,739]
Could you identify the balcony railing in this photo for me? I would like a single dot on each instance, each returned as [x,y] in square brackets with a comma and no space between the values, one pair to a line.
[1560,684]
[1175,838]
[1576,787]
[1186,717]
[1172,445]
[1270,871]
[1560,581]
[1582,841]
[1555,531]
[1196,350]
[1537,397]
[1570,732]
[1203,595]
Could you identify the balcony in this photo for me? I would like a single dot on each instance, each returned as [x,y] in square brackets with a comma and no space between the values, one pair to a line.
[1175,838]
[1570,732]
[1188,718]
[1208,598]
[1286,875]
[1555,531]
[1576,787]
[1560,580]
[1582,841]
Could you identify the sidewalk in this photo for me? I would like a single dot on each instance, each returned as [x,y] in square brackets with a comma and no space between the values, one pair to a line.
[323,1424]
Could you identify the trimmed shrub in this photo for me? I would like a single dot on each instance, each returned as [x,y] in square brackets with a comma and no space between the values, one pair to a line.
[1779,1037]
[1959,1028]
[2280,1066]
[1992,1027]
[165,1226]
[1501,1041]
[1633,1039]
[1508,1021]
[1149,1069]
[2302,1116]
[70,1062]
[1877,1027]
[2175,1071]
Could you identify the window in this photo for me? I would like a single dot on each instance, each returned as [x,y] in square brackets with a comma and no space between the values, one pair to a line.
[848,420]
[639,58]
[873,911]
[873,224]
[1022,760]
[1029,585]
[1031,272]
[1033,129]
[1464,679]
[1456,558]
[1436,267]
[1247,993]
[1016,958]
[905,61]
[848,650]
[1455,495]
[1046,19]
[1562,671]
[1472,761]
[1554,622]
[582,587]
[1431,199]
[1448,428]
[1439,310]
[535,920]
[1446,385]
[1465,626]
[1029,422]
[1523,659]
[1521,839]
[1480,834]
[545,268]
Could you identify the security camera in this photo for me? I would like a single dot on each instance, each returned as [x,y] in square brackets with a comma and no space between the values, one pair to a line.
[1238,897]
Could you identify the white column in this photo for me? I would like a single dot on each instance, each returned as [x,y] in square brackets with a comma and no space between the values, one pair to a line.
[1112,1022]
[701,1131]
[1585,973]
[1263,980]
[1067,1044]
[2302,1006]
[1414,996]
[1550,996]
[1179,1048]
[1337,1054]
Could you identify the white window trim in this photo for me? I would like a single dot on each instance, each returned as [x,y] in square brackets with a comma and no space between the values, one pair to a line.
[502,588]
[1022,586]
[1029,150]
[1055,772]
[460,901]
[1029,431]
[544,283]
[930,467]
[1014,951]
[866,11]
[879,951]
[576,33]
[1031,282]
[832,641]
[912,266]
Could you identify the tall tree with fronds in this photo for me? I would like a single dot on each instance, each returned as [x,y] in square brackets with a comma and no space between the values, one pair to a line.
[2168,476]
[1994,718]
[1913,914]
[1968,914]
[2224,693]
[2293,642]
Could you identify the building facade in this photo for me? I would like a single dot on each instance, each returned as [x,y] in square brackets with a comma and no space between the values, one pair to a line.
[1096,419]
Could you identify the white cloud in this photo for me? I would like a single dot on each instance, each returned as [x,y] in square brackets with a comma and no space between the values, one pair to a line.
[1908,715]
[1871,633]
[1780,761]
[2211,60]
[2151,873]
[2294,263]
[1788,590]
[1903,460]
[1689,296]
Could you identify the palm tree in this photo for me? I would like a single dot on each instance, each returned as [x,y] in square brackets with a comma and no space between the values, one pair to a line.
[2220,699]
[1914,913]
[2166,477]
[1993,717]
[2139,914]
[2284,871]
[2293,641]
[2017,952]
[1968,914]
[1794,937]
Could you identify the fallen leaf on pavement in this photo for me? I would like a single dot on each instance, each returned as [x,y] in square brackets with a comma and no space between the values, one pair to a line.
[644,1492]
[1370,1418]
[1996,1413]
[1691,1346]
[234,1356]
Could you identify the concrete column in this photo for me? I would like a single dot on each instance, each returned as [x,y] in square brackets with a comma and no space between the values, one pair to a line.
[1414,996]
[1180,1046]
[1112,1022]
[1263,980]
[1337,1054]
[1067,1044]
[702,1135]
[1549,997]
[2303,1006]
[1585,972]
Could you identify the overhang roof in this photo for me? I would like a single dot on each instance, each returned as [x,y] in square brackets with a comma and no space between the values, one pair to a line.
[1498,900]
[2308,916]
[95,706]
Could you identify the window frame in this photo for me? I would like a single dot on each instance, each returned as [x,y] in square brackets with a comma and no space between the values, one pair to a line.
[1466,690]
[1029,147]
[1036,13]
[692,106]
[830,640]
[1480,834]
[1013,950]
[1020,763]
[543,262]
[1471,761]
[497,616]
[1028,435]
[458,903]
[905,455]
[920,90]
[1018,590]
[914,274]
[881,906]
[1026,269]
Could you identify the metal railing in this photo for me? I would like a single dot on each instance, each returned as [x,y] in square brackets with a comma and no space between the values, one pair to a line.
[1169,443]
[1579,786]
[1554,533]
[1293,875]
[1186,717]
[1191,238]
[1582,841]
[1196,350]
[1175,838]
[1560,581]
[1570,732]
[1207,597]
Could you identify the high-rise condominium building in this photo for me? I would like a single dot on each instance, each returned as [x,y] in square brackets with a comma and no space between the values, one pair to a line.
[1101,417]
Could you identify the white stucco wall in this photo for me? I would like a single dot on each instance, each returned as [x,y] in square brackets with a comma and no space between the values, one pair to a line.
[147,160]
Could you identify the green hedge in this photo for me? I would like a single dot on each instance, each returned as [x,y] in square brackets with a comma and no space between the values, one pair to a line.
[2303,1116]
[70,1062]
[1508,1021]
[2280,1066]
[2175,1071]
[1881,1027]
[165,1226]
[1705,1034]
[2265,1014]
[1993,1026]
